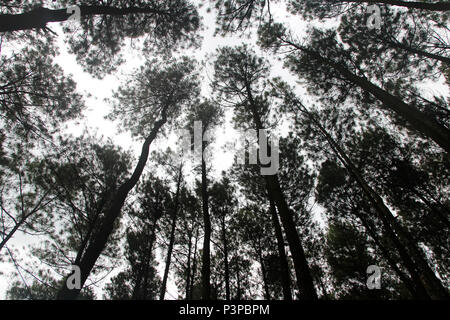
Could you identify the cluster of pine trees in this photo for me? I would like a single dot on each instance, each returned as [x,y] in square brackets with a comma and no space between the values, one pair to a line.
[364,165]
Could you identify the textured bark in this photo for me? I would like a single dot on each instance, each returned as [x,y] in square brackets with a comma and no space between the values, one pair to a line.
[98,243]
[38,18]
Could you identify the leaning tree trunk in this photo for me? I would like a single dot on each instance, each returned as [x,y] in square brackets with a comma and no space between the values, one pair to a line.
[23,220]
[172,235]
[98,243]
[410,285]
[416,118]
[419,52]
[285,277]
[391,225]
[275,194]
[39,17]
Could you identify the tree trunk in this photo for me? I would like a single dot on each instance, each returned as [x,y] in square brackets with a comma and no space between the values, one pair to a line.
[285,276]
[433,6]
[23,220]
[96,247]
[418,52]
[275,194]
[225,253]
[443,216]
[38,18]
[172,235]
[238,279]
[263,273]
[389,223]
[416,118]
[194,267]
[188,267]
[206,263]
[140,289]
[410,285]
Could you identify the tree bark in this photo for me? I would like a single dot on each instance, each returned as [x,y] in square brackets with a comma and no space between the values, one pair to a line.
[285,276]
[416,118]
[95,247]
[172,235]
[225,253]
[206,263]
[188,267]
[38,18]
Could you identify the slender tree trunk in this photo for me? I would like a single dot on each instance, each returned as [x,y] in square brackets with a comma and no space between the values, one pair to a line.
[172,234]
[304,279]
[206,263]
[263,273]
[416,118]
[389,223]
[435,286]
[225,253]
[285,276]
[443,216]
[194,268]
[410,285]
[188,267]
[238,280]
[38,18]
[419,52]
[433,6]
[148,258]
[141,285]
[22,221]
[11,233]
[324,290]
[96,247]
